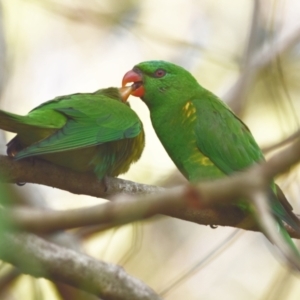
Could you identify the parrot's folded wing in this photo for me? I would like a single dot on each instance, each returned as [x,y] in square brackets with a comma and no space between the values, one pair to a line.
[224,138]
[228,143]
[82,130]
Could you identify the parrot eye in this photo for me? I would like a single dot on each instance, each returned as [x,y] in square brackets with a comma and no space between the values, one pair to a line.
[159,73]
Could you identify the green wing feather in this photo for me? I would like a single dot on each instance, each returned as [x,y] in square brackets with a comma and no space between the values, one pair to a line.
[16,123]
[87,123]
[223,137]
[228,143]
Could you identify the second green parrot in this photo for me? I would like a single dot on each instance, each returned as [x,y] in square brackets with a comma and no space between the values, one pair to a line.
[200,133]
[93,132]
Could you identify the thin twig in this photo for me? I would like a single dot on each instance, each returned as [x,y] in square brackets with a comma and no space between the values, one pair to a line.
[235,97]
[282,143]
[261,59]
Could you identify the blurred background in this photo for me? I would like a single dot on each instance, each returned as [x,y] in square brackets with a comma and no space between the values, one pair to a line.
[50,48]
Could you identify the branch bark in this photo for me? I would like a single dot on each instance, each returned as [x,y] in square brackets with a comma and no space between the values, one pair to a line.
[41,172]
[40,258]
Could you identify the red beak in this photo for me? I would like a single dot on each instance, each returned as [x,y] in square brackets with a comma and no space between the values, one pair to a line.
[137,80]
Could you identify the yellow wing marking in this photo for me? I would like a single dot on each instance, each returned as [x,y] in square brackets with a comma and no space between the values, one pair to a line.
[205,161]
[189,110]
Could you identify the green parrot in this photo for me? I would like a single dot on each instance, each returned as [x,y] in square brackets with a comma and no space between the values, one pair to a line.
[203,137]
[93,132]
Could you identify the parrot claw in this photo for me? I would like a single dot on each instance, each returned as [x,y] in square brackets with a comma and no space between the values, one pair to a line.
[13,147]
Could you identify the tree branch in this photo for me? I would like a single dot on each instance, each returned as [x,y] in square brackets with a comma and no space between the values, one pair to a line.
[199,203]
[41,172]
[40,258]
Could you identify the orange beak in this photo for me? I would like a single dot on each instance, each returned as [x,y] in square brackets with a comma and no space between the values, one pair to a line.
[137,80]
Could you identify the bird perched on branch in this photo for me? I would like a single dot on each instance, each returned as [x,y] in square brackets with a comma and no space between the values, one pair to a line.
[203,137]
[92,132]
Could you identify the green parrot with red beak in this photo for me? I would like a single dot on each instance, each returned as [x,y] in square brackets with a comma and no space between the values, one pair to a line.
[203,137]
[92,132]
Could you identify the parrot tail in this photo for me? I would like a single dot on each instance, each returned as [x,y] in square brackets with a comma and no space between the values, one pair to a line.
[10,122]
[291,254]
[284,210]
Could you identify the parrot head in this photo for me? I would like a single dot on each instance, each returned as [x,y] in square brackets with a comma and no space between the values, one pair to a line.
[154,81]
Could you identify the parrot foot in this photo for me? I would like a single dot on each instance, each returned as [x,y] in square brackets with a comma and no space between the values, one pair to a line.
[105,183]
[213,226]
[13,147]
